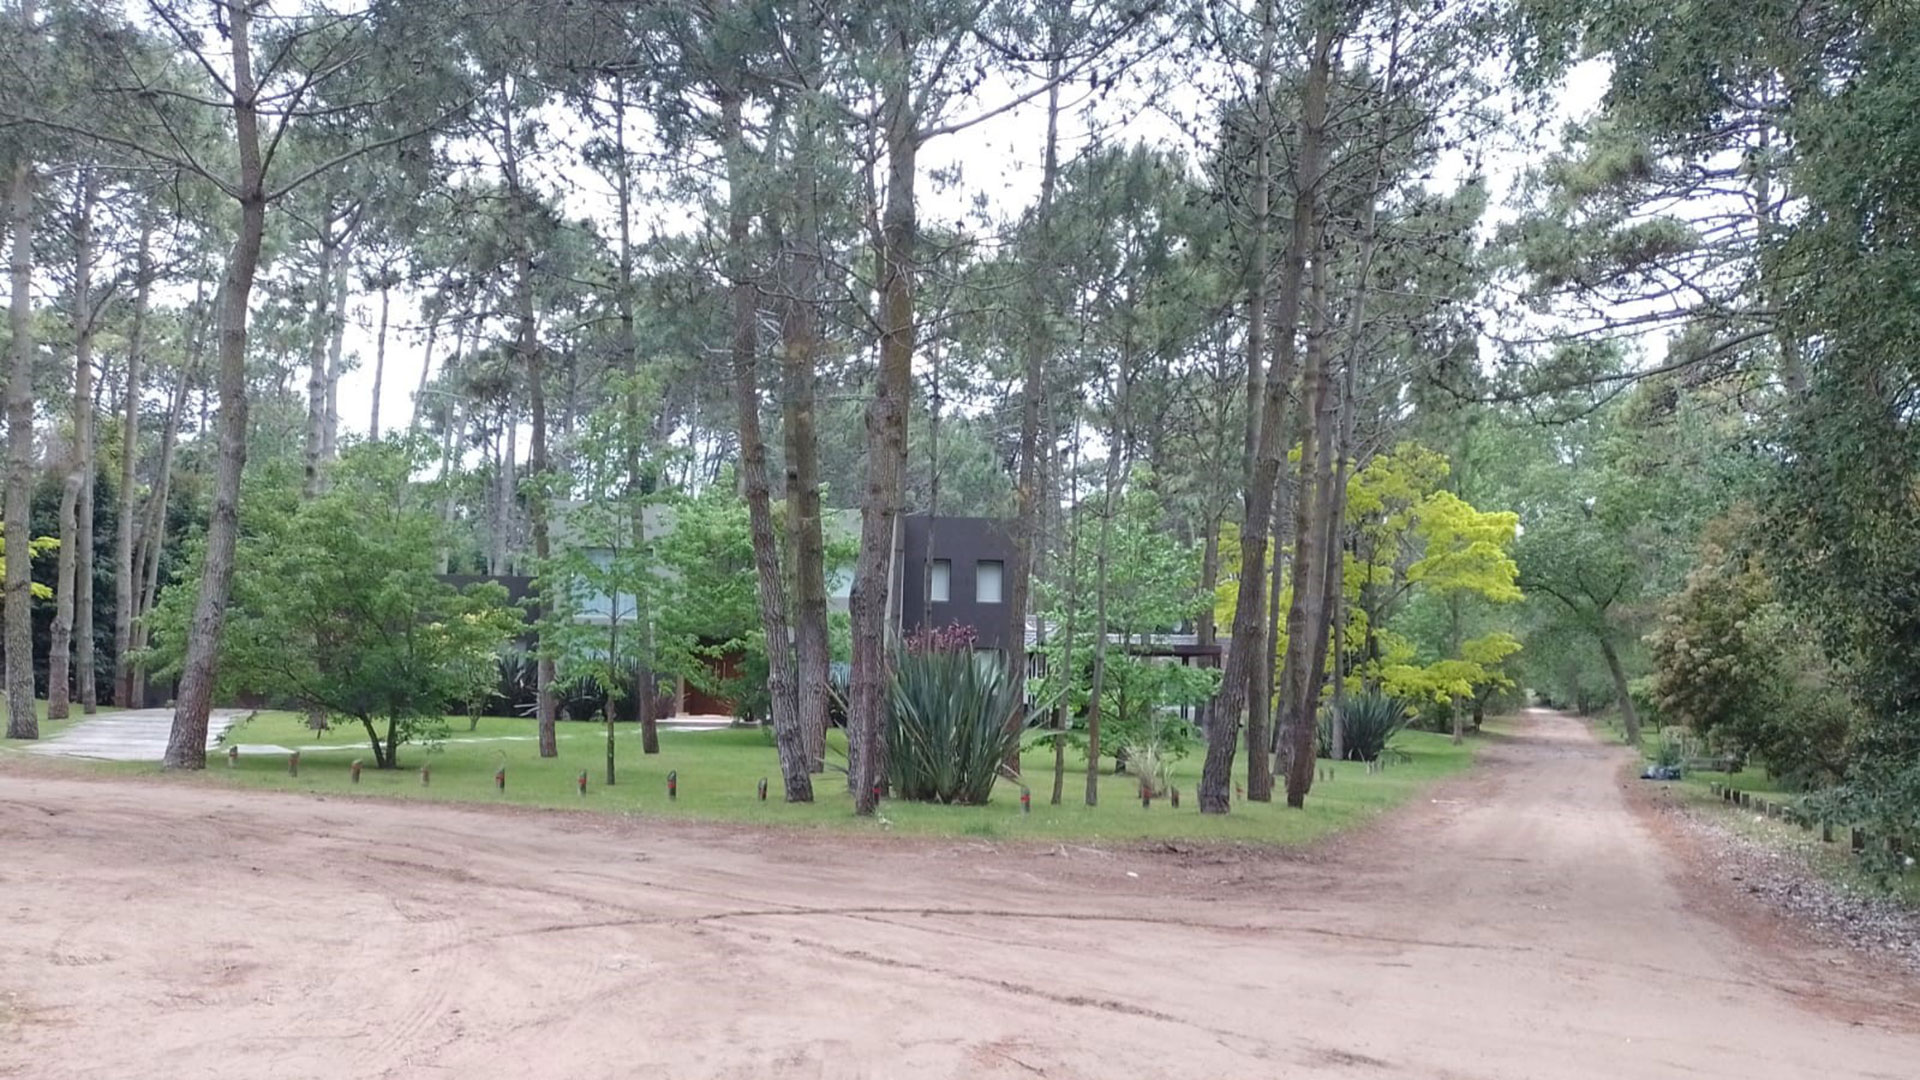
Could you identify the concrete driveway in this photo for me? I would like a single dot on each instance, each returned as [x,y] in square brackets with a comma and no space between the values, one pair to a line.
[128,734]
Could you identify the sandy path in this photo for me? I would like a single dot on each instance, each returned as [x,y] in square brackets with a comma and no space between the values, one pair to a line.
[1525,925]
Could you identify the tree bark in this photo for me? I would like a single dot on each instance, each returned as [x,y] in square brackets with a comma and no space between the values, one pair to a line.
[125,569]
[886,425]
[800,350]
[320,331]
[1628,714]
[17,610]
[86,676]
[1249,626]
[379,361]
[153,527]
[771,584]
[1096,684]
[638,485]
[73,541]
[187,743]
[330,429]
[1039,348]
[1306,616]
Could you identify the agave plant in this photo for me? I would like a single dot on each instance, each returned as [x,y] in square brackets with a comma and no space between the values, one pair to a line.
[948,727]
[1368,722]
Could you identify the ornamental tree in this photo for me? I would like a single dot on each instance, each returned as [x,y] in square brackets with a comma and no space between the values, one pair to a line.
[338,608]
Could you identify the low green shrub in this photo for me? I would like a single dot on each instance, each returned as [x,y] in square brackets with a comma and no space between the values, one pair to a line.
[1368,722]
[948,730]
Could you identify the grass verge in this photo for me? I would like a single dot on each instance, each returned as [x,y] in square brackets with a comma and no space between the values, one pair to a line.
[1833,862]
[718,773]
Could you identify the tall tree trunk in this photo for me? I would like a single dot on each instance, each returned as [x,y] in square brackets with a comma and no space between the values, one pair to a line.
[379,361]
[1066,676]
[73,487]
[753,465]
[1038,348]
[17,610]
[153,527]
[1306,616]
[799,326]
[124,567]
[84,407]
[336,344]
[527,345]
[1096,685]
[639,485]
[886,424]
[60,631]
[800,339]
[187,743]
[1249,625]
[320,333]
[426,370]
[1628,714]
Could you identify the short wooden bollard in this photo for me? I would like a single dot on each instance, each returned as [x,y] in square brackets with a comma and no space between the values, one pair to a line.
[426,776]
[763,789]
[581,783]
[353,771]
[1026,800]
[293,763]
[673,784]
[500,778]
[233,757]
[1174,795]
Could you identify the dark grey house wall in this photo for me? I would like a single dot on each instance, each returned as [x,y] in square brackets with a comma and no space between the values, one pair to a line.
[965,543]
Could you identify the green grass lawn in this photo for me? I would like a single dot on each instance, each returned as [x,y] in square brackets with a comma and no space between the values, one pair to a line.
[720,770]
[48,728]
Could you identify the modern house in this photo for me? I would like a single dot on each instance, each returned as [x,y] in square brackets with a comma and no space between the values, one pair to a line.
[943,571]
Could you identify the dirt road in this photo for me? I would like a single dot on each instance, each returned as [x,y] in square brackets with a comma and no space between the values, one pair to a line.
[1523,925]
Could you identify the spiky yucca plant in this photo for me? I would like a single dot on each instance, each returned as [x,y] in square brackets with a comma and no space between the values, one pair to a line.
[1369,722]
[947,725]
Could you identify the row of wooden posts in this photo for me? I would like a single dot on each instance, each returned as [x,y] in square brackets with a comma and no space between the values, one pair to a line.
[1325,773]
[1858,839]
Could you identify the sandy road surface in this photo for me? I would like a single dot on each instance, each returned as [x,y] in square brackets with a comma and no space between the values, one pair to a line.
[1524,925]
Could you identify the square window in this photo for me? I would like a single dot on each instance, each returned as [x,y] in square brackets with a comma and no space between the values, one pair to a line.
[940,581]
[986,580]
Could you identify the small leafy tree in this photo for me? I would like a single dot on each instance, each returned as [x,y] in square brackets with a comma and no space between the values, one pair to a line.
[1153,588]
[337,606]
[601,588]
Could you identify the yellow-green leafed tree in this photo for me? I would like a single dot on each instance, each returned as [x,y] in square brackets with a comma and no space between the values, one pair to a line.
[1411,543]
[37,547]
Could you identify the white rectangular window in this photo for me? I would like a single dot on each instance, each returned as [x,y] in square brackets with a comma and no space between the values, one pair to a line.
[940,581]
[986,580]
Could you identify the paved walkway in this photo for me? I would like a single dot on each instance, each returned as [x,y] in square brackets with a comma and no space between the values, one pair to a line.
[129,734]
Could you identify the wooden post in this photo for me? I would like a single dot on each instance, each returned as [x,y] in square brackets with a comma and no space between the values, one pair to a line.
[1826,832]
[1174,794]
[426,776]
[293,763]
[353,770]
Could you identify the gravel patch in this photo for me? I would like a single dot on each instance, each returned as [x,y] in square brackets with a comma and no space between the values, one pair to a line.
[1776,865]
